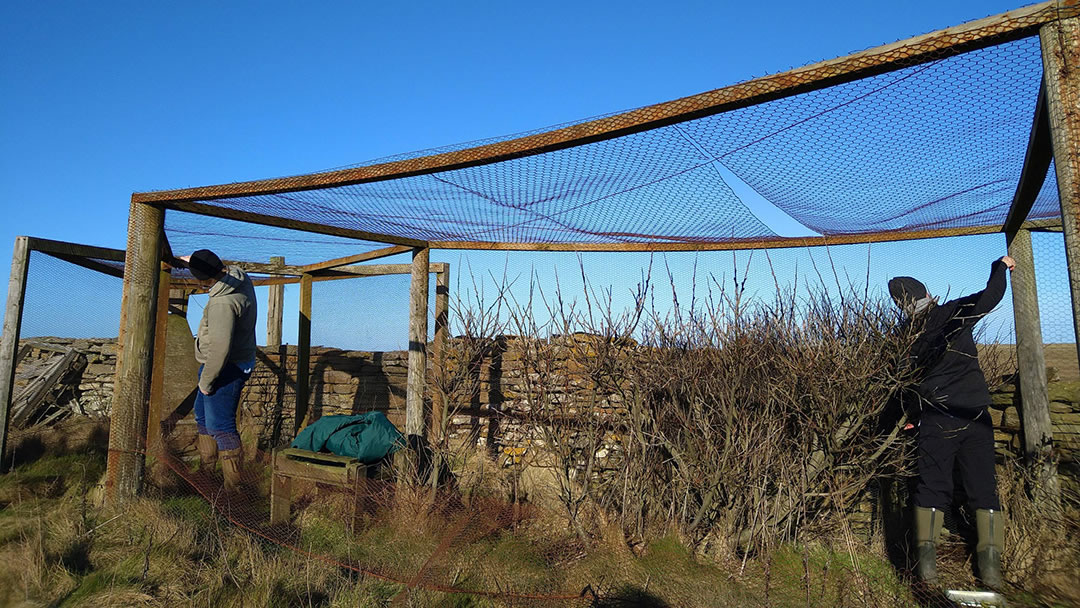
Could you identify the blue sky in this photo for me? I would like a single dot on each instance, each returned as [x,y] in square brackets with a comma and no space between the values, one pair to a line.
[103,99]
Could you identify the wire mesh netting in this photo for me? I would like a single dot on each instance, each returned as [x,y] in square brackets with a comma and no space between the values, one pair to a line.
[931,146]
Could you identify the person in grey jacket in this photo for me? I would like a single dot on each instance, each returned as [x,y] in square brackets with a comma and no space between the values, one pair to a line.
[225,348]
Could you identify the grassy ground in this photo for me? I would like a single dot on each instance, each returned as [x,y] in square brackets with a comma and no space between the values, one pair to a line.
[59,546]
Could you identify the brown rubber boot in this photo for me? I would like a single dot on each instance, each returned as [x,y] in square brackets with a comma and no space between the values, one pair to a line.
[208,452]
[231,465]
[928,522]
[990,526]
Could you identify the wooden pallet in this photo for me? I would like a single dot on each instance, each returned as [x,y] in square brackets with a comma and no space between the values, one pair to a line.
[328,469]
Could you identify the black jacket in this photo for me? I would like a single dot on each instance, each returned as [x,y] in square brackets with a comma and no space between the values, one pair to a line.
[945,355]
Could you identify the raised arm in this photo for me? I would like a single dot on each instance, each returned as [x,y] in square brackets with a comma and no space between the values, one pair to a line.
[979,304]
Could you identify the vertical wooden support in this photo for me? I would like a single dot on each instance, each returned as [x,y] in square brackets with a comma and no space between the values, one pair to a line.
[274,309]
[1034,402]
[157,376]
[1060,41]
[303,354]
[418,317]
[9,343]
[127,431]
[438,347]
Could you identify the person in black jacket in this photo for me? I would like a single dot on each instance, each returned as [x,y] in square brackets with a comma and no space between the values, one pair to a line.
[954,424]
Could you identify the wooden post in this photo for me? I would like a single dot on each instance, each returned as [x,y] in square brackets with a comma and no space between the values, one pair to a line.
[157,375]
[274,309]
[9,343]
[1034,402]
[1060,41]
[418,316]
[303,354]
[438,355]
[127,440]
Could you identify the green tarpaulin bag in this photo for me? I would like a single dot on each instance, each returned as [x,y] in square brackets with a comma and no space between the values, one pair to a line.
[366,437]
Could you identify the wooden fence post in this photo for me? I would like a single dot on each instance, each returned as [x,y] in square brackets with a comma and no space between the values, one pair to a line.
[1034,402]
[127,431]
[303,355]
[438,355]
[9,343]
[274,309]
[1060,41]
[418,317]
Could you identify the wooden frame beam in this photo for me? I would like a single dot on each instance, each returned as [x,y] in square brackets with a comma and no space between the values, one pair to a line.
[74,249]
[1040,152]
[913,51]
[90,264]
[278,222]
[360,257]
[742,244]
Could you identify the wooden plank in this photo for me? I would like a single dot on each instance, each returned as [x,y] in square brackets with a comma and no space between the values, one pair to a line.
[75,249]
[1036,165]
[316,457]
[157,372]
[127,441]
[9,341]
[913,51]
[292,224]
[1060,43]
[296,469]
[360,257]
[418,317]
[275,309]
[303,355]
[27,404]
[89,264]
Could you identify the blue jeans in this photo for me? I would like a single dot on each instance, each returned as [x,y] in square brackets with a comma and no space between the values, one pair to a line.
[215,414]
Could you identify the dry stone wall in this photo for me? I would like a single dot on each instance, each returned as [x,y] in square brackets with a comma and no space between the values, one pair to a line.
[493,410]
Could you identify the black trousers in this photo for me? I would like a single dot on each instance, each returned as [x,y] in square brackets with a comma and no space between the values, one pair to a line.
[965,442]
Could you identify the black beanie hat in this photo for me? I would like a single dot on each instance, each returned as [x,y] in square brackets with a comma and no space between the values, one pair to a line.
[906,289]
[205,264]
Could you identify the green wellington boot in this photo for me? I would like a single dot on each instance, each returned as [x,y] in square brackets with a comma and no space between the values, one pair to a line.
[928,523]
[990,525]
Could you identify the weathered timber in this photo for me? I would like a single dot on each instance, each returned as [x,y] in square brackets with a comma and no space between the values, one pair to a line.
[89,264]
[291,224]
[360,257]
[438,355]
[9,342]
[303,357]
[29,403]
[1060,41]
[157,373]
[1033,173]
[1034,401]
[75,249]
[275,309]
[418,316]
[127,441]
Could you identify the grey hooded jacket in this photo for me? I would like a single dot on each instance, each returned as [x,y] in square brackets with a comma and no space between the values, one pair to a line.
[227,330]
